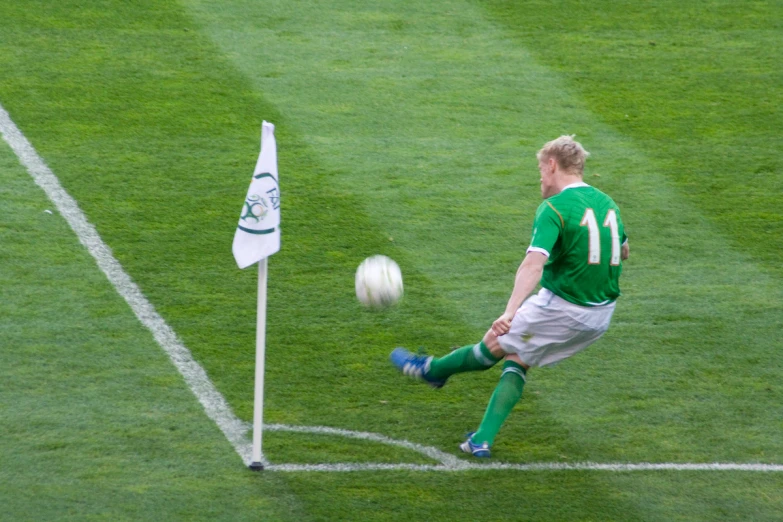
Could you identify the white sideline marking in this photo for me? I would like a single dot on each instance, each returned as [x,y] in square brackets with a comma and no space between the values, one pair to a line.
[196,378]
[543,466]
[215,404]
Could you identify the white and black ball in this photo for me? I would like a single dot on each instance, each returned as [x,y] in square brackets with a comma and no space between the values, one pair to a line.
[378,282]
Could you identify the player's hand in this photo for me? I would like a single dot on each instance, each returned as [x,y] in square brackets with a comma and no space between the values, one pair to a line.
[502,324]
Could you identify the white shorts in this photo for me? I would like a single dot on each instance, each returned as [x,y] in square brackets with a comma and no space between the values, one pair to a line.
[547,328]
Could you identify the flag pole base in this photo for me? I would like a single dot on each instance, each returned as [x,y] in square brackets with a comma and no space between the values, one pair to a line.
[256,466]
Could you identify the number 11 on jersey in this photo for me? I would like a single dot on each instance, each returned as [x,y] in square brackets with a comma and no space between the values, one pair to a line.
[594,236]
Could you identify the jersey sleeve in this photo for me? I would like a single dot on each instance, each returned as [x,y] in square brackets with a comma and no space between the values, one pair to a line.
[547,227]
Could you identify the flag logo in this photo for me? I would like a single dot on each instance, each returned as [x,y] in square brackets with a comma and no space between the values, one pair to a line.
[256,208]
[258,231]
[264,198]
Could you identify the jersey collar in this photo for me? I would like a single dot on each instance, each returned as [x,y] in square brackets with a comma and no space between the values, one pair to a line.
[575,185]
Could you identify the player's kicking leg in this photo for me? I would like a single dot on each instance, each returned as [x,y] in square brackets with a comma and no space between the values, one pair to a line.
[436,370]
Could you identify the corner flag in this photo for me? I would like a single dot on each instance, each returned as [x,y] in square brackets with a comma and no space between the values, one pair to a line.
[257,237]
[258,231]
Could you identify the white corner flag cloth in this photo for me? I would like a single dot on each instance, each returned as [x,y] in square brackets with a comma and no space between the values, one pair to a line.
[258,231]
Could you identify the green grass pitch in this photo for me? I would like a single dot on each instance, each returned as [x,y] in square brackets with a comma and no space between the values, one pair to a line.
[407,129]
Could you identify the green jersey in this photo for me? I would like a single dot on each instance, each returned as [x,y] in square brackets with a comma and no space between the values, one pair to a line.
[581,232]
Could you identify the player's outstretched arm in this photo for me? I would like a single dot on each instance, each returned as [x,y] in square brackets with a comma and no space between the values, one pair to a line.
[528,276]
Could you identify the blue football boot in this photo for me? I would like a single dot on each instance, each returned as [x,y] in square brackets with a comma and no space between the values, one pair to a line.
[416,366]
[477,450]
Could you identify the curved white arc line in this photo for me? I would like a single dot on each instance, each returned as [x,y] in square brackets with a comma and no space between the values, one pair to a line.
[445,459]
[345,468]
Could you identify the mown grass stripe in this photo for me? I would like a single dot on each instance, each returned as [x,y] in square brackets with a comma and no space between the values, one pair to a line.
[690,299]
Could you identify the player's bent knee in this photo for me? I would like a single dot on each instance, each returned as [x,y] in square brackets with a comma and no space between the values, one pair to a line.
[515,358]
[491,341]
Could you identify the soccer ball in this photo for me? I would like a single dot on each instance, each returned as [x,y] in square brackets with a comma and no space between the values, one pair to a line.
[378,282]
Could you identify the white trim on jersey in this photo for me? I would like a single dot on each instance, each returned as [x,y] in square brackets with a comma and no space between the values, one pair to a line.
[537,249]
[601,303]
[575,185]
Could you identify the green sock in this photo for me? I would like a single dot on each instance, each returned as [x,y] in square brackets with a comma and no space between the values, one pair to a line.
[507,394]
[466,359]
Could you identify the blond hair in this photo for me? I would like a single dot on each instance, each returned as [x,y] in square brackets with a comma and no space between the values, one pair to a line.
[567,152]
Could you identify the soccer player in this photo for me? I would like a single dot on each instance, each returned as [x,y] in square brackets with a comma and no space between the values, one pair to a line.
[576,253]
